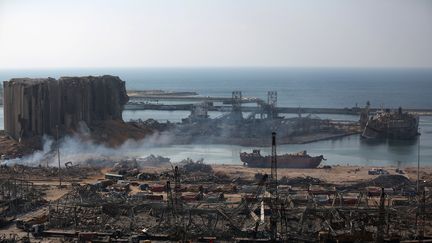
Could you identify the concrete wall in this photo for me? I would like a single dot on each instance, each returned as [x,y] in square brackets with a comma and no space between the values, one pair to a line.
[34,107]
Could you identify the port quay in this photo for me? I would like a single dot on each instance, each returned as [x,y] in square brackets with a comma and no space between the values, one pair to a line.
[156,102]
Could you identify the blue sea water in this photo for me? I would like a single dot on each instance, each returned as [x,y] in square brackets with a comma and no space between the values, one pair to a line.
[318,87]
[306,87]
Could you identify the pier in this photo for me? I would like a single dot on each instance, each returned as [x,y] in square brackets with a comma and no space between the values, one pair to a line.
[155,102]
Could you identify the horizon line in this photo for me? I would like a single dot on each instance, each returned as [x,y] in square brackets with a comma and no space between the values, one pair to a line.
[217,67]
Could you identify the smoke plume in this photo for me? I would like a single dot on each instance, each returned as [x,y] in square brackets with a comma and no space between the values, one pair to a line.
[80,149]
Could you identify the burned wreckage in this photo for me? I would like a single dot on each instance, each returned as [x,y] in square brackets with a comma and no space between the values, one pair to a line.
[194,201]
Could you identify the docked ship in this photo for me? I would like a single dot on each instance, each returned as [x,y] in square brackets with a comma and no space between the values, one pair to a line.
[391,125]
[297,160]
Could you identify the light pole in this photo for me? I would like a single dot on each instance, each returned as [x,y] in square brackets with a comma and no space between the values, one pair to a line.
[418,164]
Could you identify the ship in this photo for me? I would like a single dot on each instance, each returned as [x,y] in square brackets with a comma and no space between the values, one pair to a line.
[296,160]
[391,125]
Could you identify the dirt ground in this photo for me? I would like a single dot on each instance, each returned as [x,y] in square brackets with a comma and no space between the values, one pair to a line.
[339,174]
[335,175]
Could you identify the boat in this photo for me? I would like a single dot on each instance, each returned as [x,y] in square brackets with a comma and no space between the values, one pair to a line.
[391,125]
[296,160]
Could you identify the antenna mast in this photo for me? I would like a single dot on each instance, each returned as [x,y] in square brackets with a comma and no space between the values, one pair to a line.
[273,190]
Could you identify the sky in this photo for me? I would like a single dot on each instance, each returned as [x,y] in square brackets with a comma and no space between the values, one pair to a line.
[215,33]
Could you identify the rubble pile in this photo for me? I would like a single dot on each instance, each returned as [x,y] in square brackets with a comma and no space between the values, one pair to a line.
[47,173]
[192,202]
[114,133]
[307,180]
[190,166]
[390,181]
[132,166]
[126,167]
[152,124]
[9,148]
[385,181]
[153,160]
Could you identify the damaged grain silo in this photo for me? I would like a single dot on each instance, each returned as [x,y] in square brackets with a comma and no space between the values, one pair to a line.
[35,107]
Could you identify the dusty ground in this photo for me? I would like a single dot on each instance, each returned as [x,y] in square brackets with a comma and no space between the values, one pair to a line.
[340,174]
[336,175]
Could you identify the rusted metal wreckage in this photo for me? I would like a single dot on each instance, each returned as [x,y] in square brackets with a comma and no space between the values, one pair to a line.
[268,214]
[271,212]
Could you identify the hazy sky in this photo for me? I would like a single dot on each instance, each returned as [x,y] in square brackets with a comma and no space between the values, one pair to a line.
[303,33]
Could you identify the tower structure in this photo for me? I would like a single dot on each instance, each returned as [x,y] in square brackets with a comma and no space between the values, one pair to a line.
[236,101]
[272,103]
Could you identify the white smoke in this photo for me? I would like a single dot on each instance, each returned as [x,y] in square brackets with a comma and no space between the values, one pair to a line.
[78,149]
[37,156]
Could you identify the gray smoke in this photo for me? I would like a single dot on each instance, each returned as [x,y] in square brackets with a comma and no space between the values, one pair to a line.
[79,149]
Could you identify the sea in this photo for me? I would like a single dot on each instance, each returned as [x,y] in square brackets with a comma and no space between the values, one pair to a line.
[296,87]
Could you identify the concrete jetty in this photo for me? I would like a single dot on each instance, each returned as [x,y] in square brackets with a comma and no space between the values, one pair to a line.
[285,110]
[141,100]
